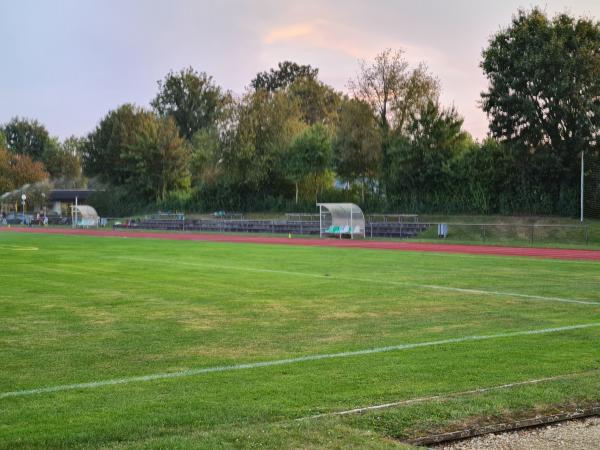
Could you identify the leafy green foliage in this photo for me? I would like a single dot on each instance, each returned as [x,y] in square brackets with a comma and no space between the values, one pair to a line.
[318,102]
[544,90]
[192,99]
[26,137]
[60,161]
[133,147]
[287,72]
[394,91]
[106,144]
[266,126]
[357,143]
[309,157]
[17,170]
[29,138]
[392,143]
[206,157]
[158,158]
[420,160]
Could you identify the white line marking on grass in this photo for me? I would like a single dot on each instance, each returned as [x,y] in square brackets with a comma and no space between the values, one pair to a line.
[443,397]
[18,248]
[511,294]
[374,281]
[280,362]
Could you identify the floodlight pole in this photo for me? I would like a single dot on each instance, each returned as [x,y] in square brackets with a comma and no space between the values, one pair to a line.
[23,200]
[581,190]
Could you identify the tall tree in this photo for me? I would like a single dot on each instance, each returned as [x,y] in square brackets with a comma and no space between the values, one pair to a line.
[60,162]
[26,137]
[157,158]
[6,183]
[206,154]
[357,143]
[490,177]
[208,145]
[420,160]
[17,170]
[105,145]
[74,145]
[418,90]
[286,73]
[135,149]
[266,126]
[393,90]
[318,102]
[308,157]
[544,89]
[191,98]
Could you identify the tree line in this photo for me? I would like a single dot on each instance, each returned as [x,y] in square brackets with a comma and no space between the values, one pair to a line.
[388,144]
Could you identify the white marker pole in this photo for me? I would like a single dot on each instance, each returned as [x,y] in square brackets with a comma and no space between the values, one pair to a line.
[320,221]
[581,191]
[75,211]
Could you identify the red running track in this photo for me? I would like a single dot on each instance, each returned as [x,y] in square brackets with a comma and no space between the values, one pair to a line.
[555,253]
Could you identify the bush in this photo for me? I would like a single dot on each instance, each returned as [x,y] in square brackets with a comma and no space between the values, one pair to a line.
[118,202]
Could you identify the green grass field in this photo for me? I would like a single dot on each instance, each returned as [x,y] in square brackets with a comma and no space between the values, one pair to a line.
[103,313]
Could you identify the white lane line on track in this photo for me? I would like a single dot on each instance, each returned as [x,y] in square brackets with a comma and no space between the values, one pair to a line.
[280,362]
[371,280]
[447,396]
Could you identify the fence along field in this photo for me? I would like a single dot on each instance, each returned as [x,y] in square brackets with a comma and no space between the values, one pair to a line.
[531,231]
[165,343]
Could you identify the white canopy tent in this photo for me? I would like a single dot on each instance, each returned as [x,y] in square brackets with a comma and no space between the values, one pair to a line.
[341,220]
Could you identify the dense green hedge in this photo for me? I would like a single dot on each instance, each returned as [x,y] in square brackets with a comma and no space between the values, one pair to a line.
[465,199]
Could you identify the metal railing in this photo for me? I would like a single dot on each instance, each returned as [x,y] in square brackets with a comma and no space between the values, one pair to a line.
[492,233]
[514,232]
[413,218]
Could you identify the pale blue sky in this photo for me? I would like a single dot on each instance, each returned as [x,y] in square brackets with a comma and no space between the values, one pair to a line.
[66,63]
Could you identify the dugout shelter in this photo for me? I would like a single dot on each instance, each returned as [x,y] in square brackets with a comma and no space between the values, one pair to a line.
[84,216]
[341,220]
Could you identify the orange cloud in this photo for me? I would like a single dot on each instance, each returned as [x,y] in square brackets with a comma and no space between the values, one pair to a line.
[288,32]
[351,41]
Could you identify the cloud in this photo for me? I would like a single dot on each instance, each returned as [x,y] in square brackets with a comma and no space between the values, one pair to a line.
[287,33]
[353,42]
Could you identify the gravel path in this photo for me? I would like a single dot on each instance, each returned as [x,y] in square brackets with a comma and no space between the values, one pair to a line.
[573,435]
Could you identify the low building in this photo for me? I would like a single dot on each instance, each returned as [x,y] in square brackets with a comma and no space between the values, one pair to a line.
[62,199]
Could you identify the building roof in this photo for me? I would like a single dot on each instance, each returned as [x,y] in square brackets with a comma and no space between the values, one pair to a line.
[69,195]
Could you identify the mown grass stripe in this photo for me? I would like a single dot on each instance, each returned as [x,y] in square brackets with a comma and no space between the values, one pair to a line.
[447,396]
[260,364]
[372,280]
